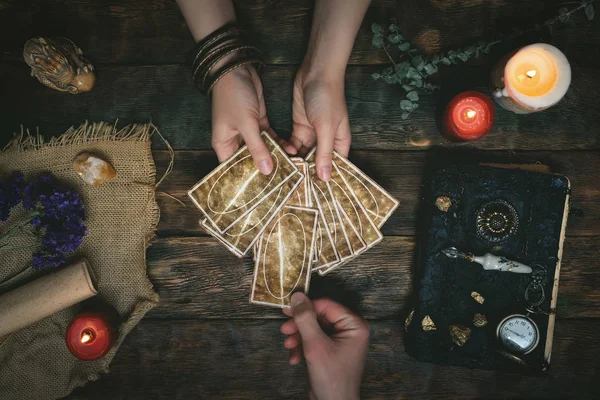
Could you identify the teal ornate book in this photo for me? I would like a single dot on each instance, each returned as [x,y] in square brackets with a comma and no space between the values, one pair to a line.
[488,265]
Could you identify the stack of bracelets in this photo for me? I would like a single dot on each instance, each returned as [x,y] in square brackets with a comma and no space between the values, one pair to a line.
[214,48]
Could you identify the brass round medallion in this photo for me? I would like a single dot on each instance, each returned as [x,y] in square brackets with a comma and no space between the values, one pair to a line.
[496,221]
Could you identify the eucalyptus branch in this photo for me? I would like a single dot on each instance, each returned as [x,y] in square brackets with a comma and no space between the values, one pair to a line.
[415,75]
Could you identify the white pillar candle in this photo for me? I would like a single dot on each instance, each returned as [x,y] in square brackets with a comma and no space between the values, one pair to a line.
[531,79]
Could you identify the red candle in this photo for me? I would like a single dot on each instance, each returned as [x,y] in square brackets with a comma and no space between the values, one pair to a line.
[89,337]
[469,116]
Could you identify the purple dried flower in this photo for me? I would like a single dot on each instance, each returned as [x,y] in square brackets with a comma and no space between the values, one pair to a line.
[41,261]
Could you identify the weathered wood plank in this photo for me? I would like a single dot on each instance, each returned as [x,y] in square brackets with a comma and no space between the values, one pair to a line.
[246,360]
[400,173]
[165,94]
[154,32]
[199,278]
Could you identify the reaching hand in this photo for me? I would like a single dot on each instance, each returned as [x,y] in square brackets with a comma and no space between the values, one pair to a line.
[239,115]
[335,363]
[320,116]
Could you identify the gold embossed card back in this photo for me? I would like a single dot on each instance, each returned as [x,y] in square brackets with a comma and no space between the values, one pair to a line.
[241,236]
[283,263]
[236,186]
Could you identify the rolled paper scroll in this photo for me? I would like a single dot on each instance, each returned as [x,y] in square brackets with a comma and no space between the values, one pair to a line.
[45,296]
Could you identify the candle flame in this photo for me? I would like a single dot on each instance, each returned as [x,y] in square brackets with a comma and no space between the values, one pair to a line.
[471,114]
[531,73]
[87,336]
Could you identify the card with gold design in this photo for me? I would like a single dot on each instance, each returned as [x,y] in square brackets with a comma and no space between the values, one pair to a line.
[302,195]
[325,254]
[329,214]
[357,243]
[236,186]
[284,257]
[332,267]
[241,237]
[354,209]
[376,201]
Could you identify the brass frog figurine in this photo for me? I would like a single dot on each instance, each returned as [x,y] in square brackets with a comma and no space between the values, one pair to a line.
[58,63]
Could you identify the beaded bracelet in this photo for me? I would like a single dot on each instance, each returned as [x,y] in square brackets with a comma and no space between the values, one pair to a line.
[223,42]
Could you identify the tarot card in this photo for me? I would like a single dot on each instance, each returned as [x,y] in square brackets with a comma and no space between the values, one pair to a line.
[284,257]
[302,196]
[354,209]
[324,249]
[325,271]
[241,237]
[357,243]
[236,187]
[376,201]
[331,221]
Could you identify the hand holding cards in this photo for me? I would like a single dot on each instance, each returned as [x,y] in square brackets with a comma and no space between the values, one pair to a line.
[295,222]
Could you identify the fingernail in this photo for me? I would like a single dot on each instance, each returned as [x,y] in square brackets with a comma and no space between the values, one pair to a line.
[326,173]
[297,299]
[264,167]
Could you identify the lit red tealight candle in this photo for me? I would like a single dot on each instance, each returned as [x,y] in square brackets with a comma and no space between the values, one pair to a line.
[89,336]
[469,116]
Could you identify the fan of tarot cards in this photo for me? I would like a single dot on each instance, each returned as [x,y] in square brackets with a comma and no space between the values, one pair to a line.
[294,223]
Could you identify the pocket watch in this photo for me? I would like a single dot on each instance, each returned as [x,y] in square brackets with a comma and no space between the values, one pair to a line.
[518,334]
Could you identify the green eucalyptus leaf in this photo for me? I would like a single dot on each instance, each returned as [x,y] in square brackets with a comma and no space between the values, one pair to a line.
[412,96]
[469,50]
[416,82]
[446,61]
[430,69]
[590,13]
[394,38]
[408,88]
[406,105]
[389,79]
[463,57]
[376,28]
[402,69]
[393,27]
[377,41]
[435,59]
[404,46]
[405,115]
[452,54]
[418,62]
[414,106]
[376,75]
[413,51]
[563,15]
[412,73]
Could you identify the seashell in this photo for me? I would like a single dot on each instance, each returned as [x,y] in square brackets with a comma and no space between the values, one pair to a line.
[478,298]
[408,319]
[58,64]
[93,170]
[479,320]
[443,203]
[427,324]
[460,334]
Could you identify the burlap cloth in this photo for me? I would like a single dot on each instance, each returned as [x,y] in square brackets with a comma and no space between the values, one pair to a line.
[122,216]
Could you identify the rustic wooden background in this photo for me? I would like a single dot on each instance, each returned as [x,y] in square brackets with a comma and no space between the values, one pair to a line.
[205,340]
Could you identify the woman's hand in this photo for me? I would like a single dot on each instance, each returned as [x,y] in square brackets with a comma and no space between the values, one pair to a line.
[239,115]
[320,117]
[334,342]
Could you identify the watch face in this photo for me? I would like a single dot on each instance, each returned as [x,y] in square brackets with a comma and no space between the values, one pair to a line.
[518,334]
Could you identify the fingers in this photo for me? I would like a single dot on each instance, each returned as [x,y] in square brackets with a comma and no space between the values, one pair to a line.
[325,138]
[342,319]
[305,318]
[303,138]
[295,356]
[224,147]
[257,147]
[292,341]
[343,138]
[284,144]
[288,327]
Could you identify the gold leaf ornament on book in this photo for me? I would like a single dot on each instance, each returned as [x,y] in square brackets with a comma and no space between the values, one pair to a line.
[59,64]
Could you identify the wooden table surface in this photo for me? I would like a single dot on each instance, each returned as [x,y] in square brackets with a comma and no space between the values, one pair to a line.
[205,340]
